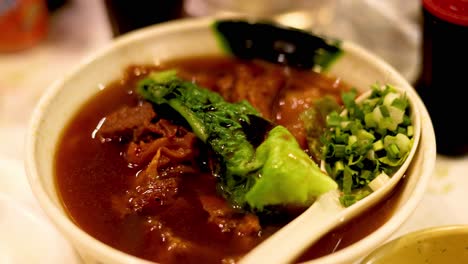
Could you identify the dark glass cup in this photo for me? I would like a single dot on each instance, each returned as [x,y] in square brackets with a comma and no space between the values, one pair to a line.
[125,15]
[443,84]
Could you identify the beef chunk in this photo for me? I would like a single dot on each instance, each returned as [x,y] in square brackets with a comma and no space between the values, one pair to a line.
[122,123]
[229,219]
[156,193]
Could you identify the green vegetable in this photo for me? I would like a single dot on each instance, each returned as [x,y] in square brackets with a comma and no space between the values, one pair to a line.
[314,119]
[374,136]
[214,121]
[277,172]
[288,175]
[277,44]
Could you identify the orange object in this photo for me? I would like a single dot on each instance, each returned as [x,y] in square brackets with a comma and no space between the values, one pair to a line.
[22,23]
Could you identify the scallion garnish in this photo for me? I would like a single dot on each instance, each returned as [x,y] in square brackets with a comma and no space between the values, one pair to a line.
[371,137]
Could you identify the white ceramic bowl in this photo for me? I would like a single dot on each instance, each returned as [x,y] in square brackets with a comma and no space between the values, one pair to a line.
[179,39]
[439,244]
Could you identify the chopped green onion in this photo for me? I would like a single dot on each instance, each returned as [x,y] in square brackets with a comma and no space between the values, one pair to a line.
[333,119]
[393,151]
[384,111]
[369,138]
[378,145]
[410,131]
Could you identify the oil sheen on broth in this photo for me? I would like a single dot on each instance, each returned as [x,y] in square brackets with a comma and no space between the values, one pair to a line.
[175,215]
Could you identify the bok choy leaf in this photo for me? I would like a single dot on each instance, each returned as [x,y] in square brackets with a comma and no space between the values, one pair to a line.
[277,172]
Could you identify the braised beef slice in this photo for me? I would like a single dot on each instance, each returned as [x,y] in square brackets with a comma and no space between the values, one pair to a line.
[260,86]
[173,247]
[258,83]
[158,192]
[174,142]
[229,219]
[127,121]
[165,154]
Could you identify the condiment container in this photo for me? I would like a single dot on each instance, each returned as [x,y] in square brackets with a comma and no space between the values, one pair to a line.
[432,245]
[443,84]
[23,23]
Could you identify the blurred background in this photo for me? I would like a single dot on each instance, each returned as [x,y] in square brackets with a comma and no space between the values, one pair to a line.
[42,40]
[65,31]
[61,32]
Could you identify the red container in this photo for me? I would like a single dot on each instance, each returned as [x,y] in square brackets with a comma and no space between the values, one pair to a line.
[23,23]
[451,11]
[443,84]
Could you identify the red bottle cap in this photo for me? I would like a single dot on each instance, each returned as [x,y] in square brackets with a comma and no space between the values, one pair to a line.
[453,11]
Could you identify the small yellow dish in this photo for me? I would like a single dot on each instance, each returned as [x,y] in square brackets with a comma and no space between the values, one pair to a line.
[443,244]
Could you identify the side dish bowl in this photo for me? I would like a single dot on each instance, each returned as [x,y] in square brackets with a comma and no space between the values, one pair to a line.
[439,244]
[187,38]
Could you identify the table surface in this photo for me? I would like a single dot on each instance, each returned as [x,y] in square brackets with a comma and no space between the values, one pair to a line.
[25,75]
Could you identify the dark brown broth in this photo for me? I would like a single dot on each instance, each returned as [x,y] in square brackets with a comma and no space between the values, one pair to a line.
[355,229]
[89,173]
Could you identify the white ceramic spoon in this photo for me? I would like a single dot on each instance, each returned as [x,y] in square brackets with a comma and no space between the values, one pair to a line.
[326,212]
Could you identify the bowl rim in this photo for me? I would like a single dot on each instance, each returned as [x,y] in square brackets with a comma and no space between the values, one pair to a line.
[78,236]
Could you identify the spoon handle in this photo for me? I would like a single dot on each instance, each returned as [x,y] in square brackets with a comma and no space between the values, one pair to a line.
[290,241]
